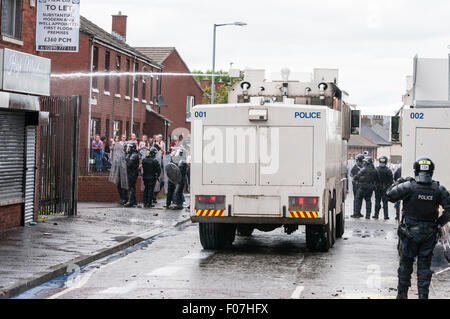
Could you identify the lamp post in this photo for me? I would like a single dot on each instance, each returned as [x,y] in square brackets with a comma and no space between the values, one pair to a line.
[213,86]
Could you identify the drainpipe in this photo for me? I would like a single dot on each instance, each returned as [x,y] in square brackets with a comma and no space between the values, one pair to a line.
[132,97]
[88,157]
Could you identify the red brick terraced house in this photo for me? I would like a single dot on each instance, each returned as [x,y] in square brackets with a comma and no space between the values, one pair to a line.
[111,105]
[180,93]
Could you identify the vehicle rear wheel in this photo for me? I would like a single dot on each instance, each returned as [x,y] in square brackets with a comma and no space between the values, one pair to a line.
[340,222]
[217,236]
[340,225]
[332,224]
[245,230]
[318,238]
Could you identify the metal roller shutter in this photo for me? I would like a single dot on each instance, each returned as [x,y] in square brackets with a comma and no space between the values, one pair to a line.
[30,174]
[12,141]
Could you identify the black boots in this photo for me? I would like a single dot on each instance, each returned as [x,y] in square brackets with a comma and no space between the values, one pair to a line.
[402,292]
[423,295]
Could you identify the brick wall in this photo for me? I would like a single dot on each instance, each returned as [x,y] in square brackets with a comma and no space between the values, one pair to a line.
[11,216]
[108,107]
[99,189]
[176,89]
[28,32]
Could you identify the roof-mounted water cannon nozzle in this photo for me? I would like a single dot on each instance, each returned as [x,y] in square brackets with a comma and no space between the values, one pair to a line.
[261,90]
[285,73]
[323,87]
[307,91]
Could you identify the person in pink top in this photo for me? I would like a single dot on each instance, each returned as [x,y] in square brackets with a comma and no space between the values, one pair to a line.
[97,150]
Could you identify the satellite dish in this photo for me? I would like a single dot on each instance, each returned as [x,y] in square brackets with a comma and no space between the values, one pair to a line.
[161,101]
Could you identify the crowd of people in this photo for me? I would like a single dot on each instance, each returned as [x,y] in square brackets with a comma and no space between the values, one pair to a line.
[130,158]
[367,181]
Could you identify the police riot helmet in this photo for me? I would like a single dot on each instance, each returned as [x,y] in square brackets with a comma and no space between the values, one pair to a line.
[360,158]
[131,147]
[178,155]
[383,161]
[153,151]
[424,170]
[368,161]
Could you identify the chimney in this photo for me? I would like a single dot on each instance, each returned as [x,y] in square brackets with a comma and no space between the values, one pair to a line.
[119,26]
[204,83]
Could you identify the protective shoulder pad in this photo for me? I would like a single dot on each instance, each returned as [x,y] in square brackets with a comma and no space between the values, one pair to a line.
[400,191]
[444,192]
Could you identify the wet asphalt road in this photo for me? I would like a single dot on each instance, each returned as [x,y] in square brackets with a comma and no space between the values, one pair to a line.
[267,265]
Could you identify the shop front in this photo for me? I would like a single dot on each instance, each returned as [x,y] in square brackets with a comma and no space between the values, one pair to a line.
[23,79]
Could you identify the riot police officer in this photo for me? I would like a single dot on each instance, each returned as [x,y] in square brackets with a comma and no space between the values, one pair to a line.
[385,181]
[132,160]
[178,196]
[176,173]
[359,165]
[420,226]
[366,180]
[151,172]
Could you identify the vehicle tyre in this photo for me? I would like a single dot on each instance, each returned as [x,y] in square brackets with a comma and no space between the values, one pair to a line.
[245,230]
[318,238]
[340,222]
[217,236]
[332,224]
[340,225]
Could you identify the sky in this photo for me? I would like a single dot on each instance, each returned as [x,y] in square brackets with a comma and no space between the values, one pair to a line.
[372,43]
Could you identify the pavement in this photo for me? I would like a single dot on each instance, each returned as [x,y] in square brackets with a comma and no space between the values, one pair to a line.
[33,255]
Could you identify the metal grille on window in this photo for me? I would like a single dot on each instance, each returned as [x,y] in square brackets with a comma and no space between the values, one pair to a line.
[12,126]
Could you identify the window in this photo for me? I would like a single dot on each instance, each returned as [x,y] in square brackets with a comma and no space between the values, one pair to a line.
[95,127]
[144,85]
[12,18]
[151,87]
[189,105]
[117,128]
[106,87]
[118,78]
[136,129]
[127,87]
[95,67]
[136,81]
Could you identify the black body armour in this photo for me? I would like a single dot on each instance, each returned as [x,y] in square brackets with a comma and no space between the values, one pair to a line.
[423,201]
[385,177]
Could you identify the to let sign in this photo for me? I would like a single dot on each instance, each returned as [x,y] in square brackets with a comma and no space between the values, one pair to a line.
[24,73]
[58,25]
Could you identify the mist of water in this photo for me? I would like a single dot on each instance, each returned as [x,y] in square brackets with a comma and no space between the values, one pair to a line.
[118,74]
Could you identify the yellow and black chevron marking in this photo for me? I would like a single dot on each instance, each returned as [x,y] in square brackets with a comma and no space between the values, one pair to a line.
[305,215]
[210,213]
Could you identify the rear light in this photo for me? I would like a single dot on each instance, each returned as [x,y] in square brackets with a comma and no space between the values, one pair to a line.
[208,199]
[304,204]
[210,202]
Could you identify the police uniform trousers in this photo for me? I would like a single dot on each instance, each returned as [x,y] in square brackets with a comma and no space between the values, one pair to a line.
[170,191]
[421,245]
[123,193]
[149,185]
[132,187]
[355,192]
[381,197]
[178,196]
[364,193]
